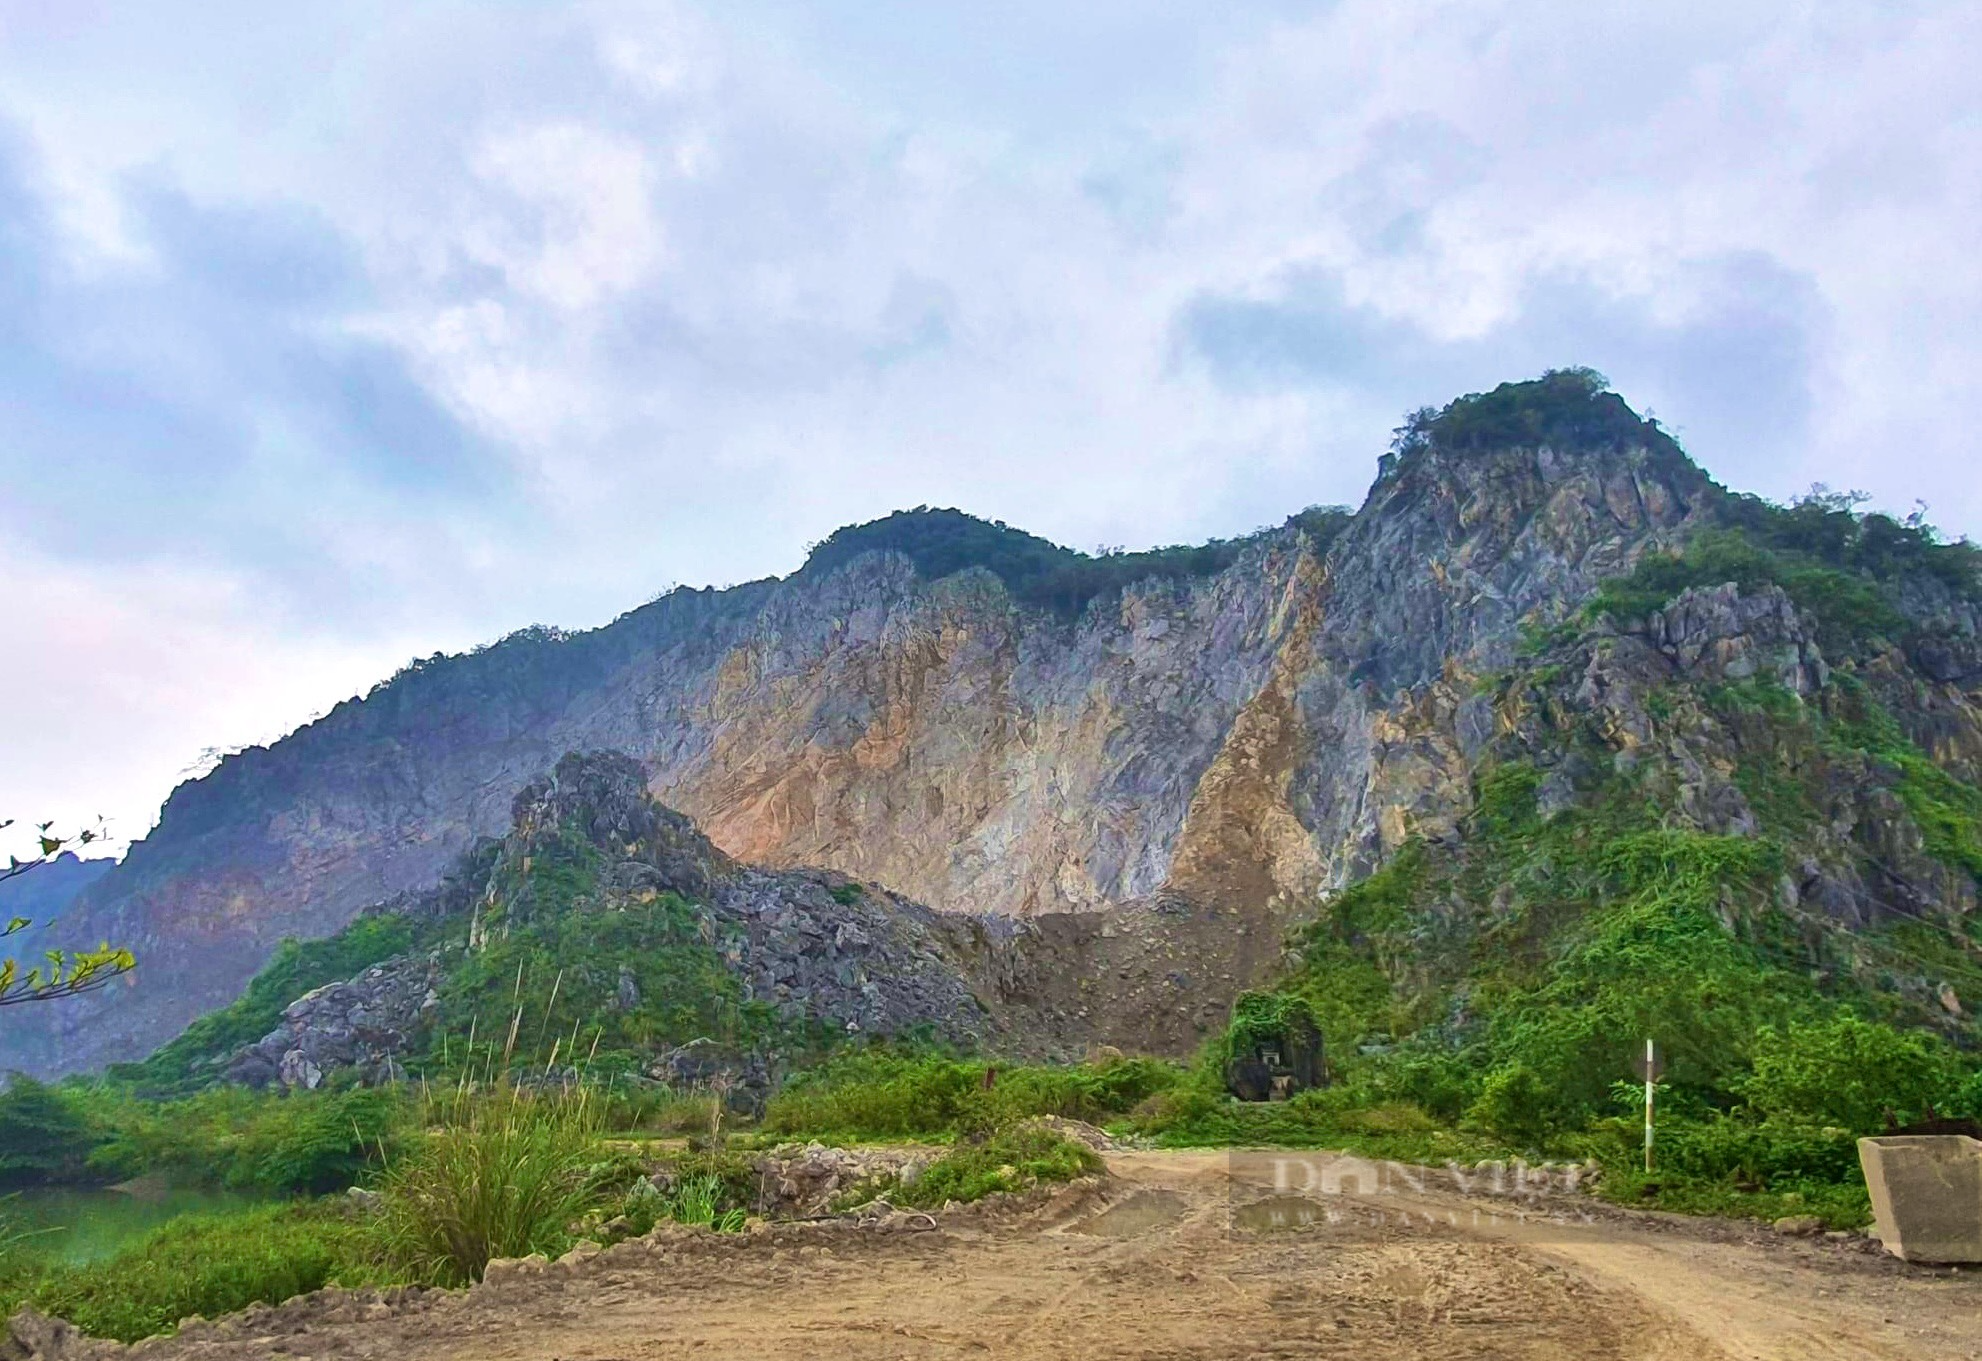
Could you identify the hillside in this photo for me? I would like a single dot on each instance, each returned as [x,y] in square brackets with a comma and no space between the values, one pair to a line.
[1167,760]
[624,939]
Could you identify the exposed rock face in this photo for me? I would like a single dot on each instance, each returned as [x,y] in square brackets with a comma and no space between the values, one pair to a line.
[365,1024]
[1858,857]
[1148,790]
[863,961]
[1721,634]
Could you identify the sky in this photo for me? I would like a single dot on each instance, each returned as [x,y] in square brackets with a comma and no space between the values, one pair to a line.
[335,335]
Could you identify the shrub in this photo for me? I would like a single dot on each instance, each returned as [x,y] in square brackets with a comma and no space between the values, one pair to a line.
[504,1174]
[1009,1160]
[278,1143]
[702,1199]
[326,1144]
[1516,1105]
[881,1094]
[943,542]
[1847,1073]
[45,1136]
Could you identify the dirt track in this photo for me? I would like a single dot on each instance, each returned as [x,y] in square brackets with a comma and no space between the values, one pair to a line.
[1149,1265]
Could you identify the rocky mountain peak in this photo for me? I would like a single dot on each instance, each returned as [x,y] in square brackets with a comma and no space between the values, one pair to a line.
[997,726]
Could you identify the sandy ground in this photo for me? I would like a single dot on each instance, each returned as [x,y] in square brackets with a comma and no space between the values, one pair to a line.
[1149,1263]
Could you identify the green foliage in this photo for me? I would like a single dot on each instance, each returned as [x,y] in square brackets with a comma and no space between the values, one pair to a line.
[502,1173]
[1347,992]
[1358,1115]
[275,1143]
[1826,528]
[1263,1018]
[1947,810]
[555,975]
[61,973]
[942,543]
[1836,564]
[1012,1158]
[1507,980]
[1850,610]
[702,1199]
[204,1265]
[883,1094]
[1515,1104]
[1383,900]
[1564,408]
[45,1134]
[1848,1073]
[188,1062]
[1965,1100]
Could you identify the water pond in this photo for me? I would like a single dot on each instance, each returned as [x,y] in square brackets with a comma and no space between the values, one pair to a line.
[75,1224]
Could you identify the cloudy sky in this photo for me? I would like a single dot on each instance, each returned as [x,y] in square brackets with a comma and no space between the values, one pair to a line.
[331,335]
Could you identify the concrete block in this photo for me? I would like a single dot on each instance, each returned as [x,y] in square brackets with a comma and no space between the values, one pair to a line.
[1926,1195]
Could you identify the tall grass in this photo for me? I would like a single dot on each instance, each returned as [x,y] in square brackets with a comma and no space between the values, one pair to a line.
[501,1172]
[201,1264]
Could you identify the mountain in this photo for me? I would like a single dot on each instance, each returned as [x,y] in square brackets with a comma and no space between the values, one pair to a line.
[42,893]
[42,896]
[602,928]
[1158,762]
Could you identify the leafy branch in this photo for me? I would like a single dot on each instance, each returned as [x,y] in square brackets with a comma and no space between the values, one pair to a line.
[64,973]
[51,846]
[67,973]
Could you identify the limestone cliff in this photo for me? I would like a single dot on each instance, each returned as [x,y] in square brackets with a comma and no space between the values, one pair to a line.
[1212,746]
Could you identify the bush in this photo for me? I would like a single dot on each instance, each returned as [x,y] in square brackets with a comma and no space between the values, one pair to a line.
[1515,1105]
[702,1199]
[45,1136]
[326,1145]
[279,1143]
[878,1095]
[943,542]
[881,1094]
[1848,1073]
[504,1174]
[1011,1159]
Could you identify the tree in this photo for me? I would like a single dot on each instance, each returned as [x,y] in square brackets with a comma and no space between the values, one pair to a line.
[63,973]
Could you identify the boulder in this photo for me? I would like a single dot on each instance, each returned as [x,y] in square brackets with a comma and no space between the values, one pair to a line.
[33,1336]
[364,1023]
[1926,1195]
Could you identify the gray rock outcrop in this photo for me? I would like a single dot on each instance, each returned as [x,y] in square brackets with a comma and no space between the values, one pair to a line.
[366,1024]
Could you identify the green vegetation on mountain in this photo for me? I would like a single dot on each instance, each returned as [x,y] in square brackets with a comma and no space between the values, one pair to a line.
[189,1062]
[1500,981]
[1564,408]
[942,543]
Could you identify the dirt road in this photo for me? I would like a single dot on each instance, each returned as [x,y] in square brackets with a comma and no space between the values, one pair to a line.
[1150,1264]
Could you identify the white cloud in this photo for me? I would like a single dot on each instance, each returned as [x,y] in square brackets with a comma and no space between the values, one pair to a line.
[121,681]
[578,225]
[703,282]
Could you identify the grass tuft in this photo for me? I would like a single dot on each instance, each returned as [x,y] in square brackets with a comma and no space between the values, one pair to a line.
[503,1173]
